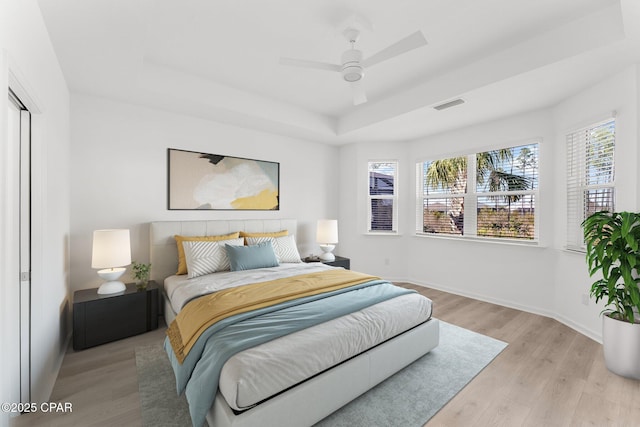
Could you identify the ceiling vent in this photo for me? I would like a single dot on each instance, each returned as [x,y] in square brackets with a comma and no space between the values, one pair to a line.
[449,104]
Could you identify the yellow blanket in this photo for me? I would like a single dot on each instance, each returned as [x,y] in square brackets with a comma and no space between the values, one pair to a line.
[203,312]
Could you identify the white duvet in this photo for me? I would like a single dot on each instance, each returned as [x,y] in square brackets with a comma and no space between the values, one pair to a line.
[256,374]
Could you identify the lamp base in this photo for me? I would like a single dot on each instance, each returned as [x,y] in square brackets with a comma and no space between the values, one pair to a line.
[112,284]
[327,255]
[112,287]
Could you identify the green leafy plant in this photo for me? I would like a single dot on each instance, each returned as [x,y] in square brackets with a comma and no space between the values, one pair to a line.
[141,271]
[612,240]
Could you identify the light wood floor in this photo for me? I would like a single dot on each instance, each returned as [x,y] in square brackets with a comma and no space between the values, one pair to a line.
[549,375]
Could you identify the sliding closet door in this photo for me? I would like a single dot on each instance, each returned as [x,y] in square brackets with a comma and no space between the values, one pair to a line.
[25,255]
[16,232]
[11,290]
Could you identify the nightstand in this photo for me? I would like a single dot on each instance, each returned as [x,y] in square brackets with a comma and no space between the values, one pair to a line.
[339,262]
[99,319]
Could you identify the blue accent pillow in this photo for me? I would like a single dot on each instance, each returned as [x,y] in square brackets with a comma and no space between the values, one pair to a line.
[250,257]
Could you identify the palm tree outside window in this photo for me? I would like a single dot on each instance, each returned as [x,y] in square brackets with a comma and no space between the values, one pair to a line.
[498,188]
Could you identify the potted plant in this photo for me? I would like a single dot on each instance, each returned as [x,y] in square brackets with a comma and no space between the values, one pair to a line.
[141,274]
[613,240]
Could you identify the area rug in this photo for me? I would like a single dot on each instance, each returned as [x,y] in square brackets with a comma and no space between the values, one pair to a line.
[409,398]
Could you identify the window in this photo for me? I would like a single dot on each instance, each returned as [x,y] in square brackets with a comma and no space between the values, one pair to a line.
[506,186]
[590,176]
[383,196]
[487,194]
[444,186]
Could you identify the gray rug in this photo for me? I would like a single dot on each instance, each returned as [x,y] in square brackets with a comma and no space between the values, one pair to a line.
[409,398]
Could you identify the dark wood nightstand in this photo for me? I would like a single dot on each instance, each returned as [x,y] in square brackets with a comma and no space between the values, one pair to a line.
[99,319]
[339,262]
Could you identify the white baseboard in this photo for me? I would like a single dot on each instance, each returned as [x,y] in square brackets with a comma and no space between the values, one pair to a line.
[596,336]
[397,279]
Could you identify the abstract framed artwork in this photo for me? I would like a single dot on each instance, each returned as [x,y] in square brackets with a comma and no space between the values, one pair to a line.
[218,182]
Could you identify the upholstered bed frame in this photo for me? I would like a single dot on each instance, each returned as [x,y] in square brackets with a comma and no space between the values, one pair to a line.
[314,399]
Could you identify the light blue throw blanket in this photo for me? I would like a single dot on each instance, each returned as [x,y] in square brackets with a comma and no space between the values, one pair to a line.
[200,371]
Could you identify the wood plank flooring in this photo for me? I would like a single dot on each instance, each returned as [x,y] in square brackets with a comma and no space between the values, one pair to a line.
[549,375]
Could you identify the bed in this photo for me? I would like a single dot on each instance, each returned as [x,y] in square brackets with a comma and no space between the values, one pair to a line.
[263,385]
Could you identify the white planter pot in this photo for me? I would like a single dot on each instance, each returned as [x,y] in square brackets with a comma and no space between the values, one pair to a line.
[621,341]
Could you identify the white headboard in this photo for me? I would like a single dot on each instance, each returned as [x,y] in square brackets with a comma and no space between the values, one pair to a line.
[164,253]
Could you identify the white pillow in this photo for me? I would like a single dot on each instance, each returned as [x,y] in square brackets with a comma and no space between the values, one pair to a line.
[205,257]
[284,247]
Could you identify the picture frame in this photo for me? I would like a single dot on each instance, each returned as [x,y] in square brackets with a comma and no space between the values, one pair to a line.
[203,181]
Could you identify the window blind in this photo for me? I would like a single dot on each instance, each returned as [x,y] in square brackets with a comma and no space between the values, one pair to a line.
[590,176]
[507,188]
[382,206]
[441,193]
[490,194]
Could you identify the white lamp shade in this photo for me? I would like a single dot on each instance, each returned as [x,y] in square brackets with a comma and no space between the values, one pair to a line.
[111,248]
[327,231]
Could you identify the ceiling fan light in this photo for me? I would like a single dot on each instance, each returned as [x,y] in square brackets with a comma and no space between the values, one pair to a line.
[352,73]
[351,69]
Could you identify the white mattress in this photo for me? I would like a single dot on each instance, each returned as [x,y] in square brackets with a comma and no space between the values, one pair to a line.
[263,371]
[256,374]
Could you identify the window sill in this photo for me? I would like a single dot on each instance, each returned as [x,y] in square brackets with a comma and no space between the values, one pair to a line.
[576,251]
[489,240]
[382,233]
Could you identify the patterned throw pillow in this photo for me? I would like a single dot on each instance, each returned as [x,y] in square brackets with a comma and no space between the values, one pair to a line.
[284,247]
[182,262]
[205,257]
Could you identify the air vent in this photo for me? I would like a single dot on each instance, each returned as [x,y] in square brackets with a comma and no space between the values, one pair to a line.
[449,104]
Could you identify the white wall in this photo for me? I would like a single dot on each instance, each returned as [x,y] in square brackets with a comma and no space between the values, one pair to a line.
[119,175]
[30,56]
[384,256]
[546,279]
[514,275]
[617,93]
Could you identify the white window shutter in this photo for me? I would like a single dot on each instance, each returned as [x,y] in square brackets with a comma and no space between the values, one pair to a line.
[590,176]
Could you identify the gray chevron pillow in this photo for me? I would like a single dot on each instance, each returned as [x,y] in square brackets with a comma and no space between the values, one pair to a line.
[205,257]
[284,247]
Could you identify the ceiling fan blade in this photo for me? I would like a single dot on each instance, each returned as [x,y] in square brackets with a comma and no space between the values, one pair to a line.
[359,95]
[310,64]
[412,41]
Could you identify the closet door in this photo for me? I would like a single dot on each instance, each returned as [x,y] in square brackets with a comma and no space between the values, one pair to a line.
[17,250]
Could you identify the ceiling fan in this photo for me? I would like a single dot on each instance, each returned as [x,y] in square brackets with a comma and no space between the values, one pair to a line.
[352,63]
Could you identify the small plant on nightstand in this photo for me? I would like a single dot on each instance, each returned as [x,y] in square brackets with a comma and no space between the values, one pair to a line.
[141,274]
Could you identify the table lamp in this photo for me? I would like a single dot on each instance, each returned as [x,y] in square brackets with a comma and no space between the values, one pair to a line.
[111,252]
[327,237]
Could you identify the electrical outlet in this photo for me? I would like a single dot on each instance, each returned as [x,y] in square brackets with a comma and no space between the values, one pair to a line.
[386,261]
[585,299]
